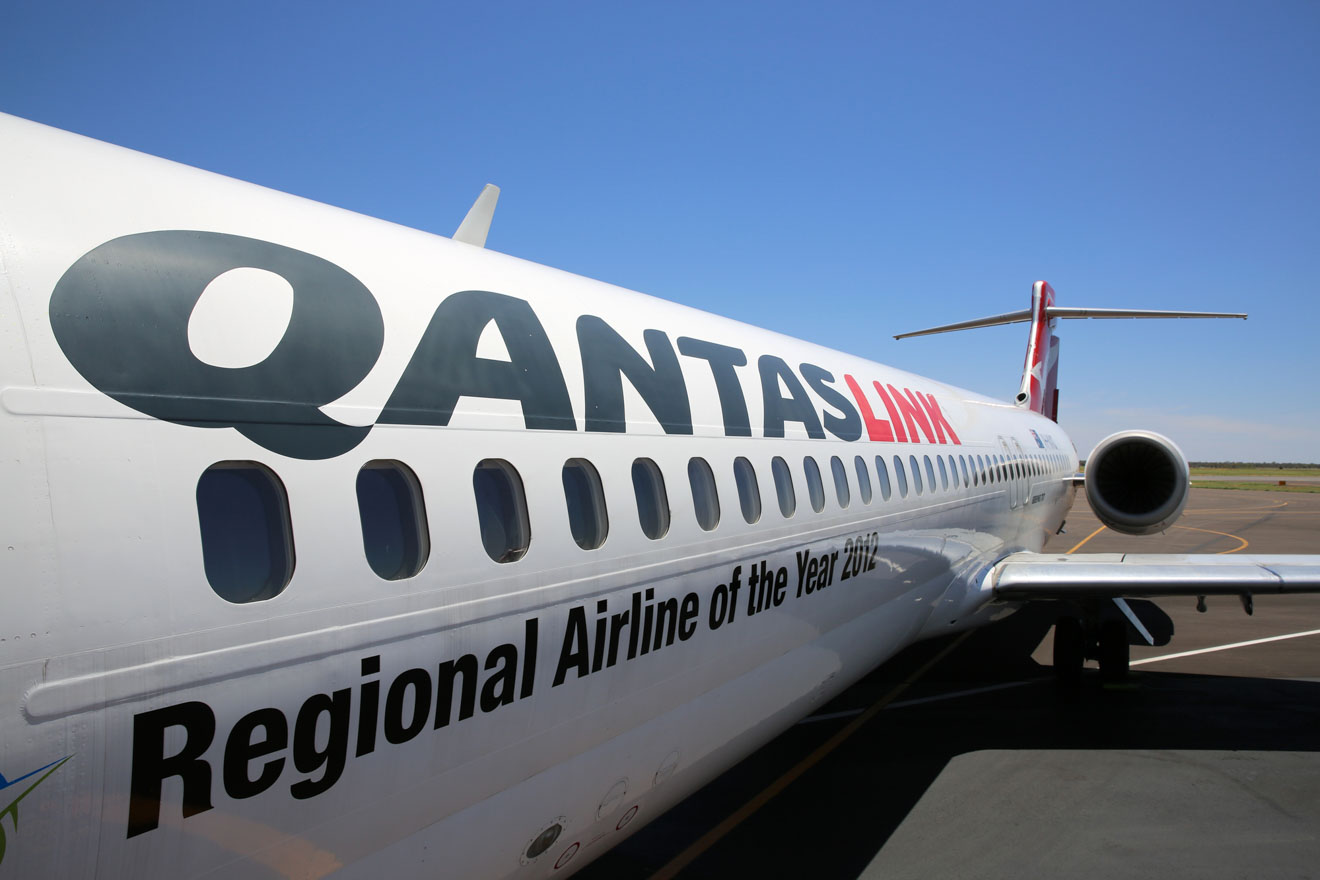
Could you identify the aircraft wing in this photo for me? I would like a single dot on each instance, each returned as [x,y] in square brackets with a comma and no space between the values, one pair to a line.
[1024,576]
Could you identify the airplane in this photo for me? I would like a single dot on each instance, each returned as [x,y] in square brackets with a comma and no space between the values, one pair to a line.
[336,548]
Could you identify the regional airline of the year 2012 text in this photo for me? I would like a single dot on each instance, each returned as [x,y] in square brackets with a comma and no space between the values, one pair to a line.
[333,547]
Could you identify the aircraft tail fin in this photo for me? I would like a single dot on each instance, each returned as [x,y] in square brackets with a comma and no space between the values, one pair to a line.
[1039,390]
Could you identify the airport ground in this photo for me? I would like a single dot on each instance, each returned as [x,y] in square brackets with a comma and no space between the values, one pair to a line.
[960,757]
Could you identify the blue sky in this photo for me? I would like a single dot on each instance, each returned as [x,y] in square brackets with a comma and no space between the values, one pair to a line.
[841,172]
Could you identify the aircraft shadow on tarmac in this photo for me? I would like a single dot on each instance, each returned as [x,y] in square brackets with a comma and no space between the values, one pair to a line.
[833,820]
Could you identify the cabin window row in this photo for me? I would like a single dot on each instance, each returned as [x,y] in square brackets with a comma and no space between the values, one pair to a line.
[247,536]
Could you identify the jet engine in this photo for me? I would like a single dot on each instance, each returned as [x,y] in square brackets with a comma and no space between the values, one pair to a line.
[1137,482]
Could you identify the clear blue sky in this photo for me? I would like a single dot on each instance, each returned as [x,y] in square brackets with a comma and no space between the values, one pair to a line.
[841,172]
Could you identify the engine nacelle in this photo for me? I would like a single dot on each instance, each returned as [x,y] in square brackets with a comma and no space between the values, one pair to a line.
[1137,482]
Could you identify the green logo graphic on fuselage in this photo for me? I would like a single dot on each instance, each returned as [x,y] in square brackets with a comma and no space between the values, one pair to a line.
[11,810]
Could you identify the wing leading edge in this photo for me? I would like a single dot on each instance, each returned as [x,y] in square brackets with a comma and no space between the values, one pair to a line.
[1027,576]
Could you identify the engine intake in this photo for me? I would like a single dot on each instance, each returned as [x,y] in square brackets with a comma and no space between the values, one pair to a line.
[1137,482]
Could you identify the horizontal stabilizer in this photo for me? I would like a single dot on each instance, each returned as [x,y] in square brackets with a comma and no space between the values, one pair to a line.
[476,225]
[1067,312]
[1027,576]
[992,321]
[1070,312]
[1039,390]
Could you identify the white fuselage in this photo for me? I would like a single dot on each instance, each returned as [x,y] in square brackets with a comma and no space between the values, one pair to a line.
[116,649]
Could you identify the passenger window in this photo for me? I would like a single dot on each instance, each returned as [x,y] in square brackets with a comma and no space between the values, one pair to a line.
[863,479]
[840,481]
[247,540]
[393,515]
[501,510]
[588,519]
[962,463]
[930,474]
[944,474]
[916,473]
[882,474]
[815,488]
[901,476]
[784,486]
[652,501]
[979,472]
[705,498]
[953,471]
[749,493]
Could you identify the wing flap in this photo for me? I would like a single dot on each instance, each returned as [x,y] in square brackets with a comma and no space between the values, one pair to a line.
[1025,576]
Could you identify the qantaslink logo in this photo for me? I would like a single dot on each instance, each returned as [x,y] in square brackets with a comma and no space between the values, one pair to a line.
[11,809]
[121,314]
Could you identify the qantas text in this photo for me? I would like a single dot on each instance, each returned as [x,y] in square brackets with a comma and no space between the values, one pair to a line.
[121,314]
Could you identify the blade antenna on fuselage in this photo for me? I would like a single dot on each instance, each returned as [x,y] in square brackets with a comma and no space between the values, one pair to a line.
[476,225]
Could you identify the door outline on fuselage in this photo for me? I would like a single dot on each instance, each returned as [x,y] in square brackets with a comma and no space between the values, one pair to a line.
[1024,474]
[1010,478]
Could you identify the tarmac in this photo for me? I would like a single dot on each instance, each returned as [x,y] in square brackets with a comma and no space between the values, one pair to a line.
[960,758]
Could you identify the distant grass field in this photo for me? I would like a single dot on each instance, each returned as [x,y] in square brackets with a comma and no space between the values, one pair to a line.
[1259,487]
[1255,471]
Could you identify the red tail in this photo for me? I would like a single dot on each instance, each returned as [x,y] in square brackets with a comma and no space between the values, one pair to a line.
[1039,390]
